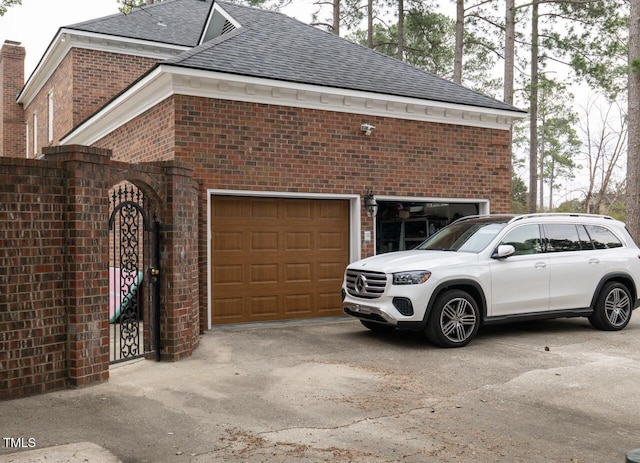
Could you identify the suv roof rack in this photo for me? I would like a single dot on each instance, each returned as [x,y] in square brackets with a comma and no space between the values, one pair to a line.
[560,214]
[485,216]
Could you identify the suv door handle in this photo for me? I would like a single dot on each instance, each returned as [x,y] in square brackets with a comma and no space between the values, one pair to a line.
[540,265]
[594,261]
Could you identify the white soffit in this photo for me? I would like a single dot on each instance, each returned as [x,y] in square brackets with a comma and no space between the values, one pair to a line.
[168,80]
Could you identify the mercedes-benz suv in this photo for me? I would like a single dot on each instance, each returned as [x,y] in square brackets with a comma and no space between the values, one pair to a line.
[482,270]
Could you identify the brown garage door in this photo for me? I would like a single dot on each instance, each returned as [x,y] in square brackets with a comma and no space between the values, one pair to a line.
[277,259]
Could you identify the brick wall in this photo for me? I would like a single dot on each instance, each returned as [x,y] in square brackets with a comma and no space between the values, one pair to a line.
[33,286]
[12,131]
[82,83]
[54,296]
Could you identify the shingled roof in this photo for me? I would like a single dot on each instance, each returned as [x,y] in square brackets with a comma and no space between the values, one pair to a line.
[173,22]
[274,46]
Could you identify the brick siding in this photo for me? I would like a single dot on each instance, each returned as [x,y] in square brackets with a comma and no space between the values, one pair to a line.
[12,130]
[84,81]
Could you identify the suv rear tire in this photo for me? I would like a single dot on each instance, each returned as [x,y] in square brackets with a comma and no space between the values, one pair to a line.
[613,307]
[454,319]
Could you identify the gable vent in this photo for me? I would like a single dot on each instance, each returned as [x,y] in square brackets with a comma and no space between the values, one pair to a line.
[228,27]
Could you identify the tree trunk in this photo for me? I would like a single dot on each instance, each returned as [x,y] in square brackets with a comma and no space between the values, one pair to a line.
[459,45]
[509,50]
[336,17]
[533,110]
[370,24]
[401,30]
[633,150]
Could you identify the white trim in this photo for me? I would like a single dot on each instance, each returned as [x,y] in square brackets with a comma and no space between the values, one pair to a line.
[482,202]
[51,114]
[35,134]
[354,222]
[166,80]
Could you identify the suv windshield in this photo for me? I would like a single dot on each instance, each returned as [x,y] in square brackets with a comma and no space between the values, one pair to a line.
[467,236]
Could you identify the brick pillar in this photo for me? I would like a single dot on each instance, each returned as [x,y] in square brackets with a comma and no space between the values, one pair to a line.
[12,125]
[87,242]
[180,318]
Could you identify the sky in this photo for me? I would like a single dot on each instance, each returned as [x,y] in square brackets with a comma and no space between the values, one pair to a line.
[35,23]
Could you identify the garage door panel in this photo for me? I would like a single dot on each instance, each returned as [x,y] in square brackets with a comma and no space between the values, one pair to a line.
[264,307]
[330,272]
[298,241]
[227,208]
[326,302]
[298,272]
[296,305]
[330,241]
[275,258]
[298,210]
[264,209]
[264,241]
[227,310]
[263,273]
[228,241]
[228,274]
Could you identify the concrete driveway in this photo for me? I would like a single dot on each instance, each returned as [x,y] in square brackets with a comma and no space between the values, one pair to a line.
[329,390]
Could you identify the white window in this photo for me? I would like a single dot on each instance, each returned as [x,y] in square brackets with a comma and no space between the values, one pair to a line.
[27,144]
[35,135]
[50,116]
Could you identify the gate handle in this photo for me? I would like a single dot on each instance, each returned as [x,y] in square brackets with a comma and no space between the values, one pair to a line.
[155,272]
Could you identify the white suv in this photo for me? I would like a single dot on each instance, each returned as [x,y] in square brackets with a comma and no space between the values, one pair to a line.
[482,270]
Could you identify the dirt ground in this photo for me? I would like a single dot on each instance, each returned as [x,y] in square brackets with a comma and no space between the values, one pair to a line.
[331,391]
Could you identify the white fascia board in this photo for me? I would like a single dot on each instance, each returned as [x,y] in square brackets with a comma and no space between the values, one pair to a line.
[168,80]
[69,38]
[211,84]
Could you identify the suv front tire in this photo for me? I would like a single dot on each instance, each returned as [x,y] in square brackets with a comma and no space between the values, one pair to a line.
[454,320]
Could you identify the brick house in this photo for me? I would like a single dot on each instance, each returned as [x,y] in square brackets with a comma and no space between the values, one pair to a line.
[271,117]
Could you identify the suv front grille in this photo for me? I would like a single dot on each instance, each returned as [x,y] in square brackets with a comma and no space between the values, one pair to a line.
[367,285]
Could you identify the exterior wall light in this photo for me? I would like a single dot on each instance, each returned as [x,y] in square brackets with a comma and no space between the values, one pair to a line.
[367,128]
[370,204]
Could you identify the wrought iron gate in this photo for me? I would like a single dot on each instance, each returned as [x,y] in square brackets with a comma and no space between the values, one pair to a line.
[134,276]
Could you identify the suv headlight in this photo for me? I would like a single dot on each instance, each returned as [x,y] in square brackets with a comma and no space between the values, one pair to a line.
[411,278]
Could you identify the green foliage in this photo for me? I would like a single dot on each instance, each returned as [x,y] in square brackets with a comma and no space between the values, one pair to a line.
[518,195]
[428,44]
[573,205]
[127,5]
[4,4]
[558,142]
[594,41]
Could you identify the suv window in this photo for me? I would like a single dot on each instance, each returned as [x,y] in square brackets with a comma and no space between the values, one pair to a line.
[585,241]
[603,238]
[562,237]
[525,239]
[465,236]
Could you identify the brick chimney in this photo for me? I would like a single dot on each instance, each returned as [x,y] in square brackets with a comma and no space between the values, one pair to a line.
[12,124]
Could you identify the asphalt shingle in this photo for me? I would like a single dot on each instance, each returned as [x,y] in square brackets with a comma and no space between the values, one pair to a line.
[272,45]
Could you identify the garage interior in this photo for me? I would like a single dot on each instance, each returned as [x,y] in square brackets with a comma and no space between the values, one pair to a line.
[402,225]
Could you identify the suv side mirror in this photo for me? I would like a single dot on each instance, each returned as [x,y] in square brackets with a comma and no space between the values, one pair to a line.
[503,251]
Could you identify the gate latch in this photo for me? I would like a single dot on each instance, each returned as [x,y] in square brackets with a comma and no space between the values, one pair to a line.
[155,272]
